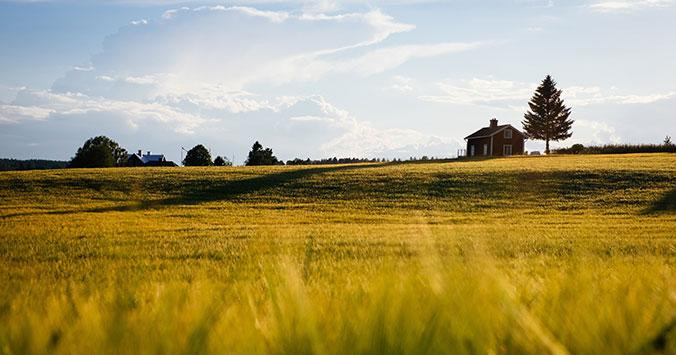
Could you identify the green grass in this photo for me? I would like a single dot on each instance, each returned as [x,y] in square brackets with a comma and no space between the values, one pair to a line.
[561,254]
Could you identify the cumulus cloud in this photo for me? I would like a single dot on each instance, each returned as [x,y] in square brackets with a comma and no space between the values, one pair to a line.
[189,74]
[594,132]
[326,130]
[241,46]
[31,104]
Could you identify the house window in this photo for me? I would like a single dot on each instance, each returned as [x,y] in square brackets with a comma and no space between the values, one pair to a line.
[508,133]
[471,151]
[507,149]
[485,149]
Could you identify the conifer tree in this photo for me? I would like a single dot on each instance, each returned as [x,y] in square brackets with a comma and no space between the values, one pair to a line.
[548,118]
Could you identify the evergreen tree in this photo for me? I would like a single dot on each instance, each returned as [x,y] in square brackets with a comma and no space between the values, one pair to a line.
[197,156]
[260,156]
[99,152]
[547,118]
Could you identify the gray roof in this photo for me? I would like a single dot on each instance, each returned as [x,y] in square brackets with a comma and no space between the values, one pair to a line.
[148,157]
[153,157]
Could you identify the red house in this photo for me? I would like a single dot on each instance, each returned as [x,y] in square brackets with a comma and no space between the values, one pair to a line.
[495,140]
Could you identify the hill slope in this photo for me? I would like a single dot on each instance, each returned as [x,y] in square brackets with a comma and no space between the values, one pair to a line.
[529,254]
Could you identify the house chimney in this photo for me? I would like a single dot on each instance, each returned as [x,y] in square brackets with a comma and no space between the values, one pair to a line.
[140,153]
[494,123]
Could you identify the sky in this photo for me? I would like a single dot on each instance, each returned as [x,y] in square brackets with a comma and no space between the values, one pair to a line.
[318,79]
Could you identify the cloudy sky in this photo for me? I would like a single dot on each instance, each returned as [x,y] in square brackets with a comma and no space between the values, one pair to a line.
[326,78]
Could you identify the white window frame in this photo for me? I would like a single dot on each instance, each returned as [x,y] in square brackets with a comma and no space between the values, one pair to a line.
[485,148]
[508,133]
[504,149]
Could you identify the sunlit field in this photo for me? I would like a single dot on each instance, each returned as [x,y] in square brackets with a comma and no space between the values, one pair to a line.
[560,254]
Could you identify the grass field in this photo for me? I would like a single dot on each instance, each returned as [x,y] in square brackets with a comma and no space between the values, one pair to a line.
[560,254]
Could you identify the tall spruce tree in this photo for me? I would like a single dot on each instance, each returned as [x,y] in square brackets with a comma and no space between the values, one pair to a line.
[548,118]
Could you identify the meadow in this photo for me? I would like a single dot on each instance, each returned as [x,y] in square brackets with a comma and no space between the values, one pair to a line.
[543,255]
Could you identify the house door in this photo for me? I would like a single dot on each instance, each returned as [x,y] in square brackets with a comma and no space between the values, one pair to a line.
[507,149]
[471,150]
[485,149]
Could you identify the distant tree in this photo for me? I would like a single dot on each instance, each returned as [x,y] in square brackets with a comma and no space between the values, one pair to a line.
[221,161]
[576,148]
[548,118]
[197,156]
[260,156]
[667,141]
[99,152]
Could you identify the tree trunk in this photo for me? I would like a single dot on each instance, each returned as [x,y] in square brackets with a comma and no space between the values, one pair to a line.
[547,146]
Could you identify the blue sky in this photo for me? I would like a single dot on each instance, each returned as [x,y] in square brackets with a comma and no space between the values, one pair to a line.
[326,78]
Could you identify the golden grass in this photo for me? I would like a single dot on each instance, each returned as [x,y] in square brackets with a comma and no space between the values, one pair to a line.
[559,254]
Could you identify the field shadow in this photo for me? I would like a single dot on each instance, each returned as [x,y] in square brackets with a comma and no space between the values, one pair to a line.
[210,190]
[575,189]
[666,203]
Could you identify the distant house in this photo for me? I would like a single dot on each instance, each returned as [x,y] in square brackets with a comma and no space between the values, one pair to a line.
[148,159]
[495,140]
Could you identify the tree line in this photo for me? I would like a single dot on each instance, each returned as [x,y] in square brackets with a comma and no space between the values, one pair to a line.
[31,164]
[547,119]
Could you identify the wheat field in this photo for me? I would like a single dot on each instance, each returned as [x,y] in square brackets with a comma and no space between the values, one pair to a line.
[558,254]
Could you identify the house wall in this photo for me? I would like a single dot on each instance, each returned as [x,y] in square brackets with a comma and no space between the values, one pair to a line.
[479,146]
[499,140]
[134,161]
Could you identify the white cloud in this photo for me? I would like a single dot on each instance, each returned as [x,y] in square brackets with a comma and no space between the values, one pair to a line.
[326,129]
[160,82]
[585,96]
[83,68]
[508,94]
[105,78]
[628,5]
[139,22]
[273,16]
[14,113]
[41,104]
[401,84]
[481,91]
[142,80]
[593,132]
[383,59]
[169,14]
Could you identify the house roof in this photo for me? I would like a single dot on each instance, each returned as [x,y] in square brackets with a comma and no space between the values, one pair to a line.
[153,157]
[148,157]
[491,131]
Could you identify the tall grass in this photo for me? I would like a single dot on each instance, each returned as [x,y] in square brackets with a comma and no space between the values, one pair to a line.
[555,255]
